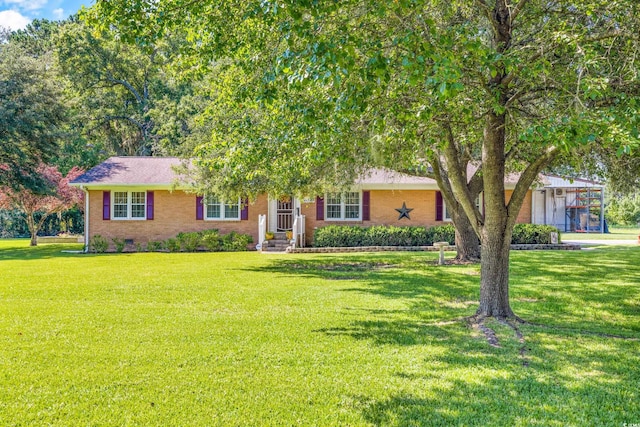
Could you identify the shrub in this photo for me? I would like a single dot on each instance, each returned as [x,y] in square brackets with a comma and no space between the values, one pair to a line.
[443,233]
[119,244]
[155,246]
[139,247]
[377,235]
[210,240]
[380,235]
[533,234]
[235,242]
[189,242]
[173,245]
[98,244]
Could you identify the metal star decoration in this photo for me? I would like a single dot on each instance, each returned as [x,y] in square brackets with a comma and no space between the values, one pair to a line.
[404,211]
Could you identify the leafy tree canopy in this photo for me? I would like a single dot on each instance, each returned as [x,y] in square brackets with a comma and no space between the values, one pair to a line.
[31,113]
[337,86]
[124,95]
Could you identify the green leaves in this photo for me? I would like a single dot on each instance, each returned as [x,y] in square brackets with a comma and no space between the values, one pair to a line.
[32,112]
[403,78]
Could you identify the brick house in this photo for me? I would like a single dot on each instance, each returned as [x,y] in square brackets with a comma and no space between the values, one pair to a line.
[140,199]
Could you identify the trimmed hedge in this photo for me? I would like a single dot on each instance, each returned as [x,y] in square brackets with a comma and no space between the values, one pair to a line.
[381,235]
[207,240]
[533,234]
[211,240]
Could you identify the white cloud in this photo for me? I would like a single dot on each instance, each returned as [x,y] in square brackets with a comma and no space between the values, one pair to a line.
[13,20]
[58,13]
[27,4]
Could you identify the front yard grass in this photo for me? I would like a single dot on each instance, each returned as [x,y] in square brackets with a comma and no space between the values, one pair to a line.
[239,339]
[615,233]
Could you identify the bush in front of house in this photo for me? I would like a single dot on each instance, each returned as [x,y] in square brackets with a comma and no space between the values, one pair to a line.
[189,242]
[119,244]
[524,234]
[443,233]
[172,244]
[381,235]
[209,240]
[235,242]
[98,244]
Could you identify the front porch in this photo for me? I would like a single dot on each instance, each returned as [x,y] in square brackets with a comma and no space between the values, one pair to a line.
[283,226]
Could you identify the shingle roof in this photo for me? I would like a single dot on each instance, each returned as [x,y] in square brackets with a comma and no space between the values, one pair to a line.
[132,171]
[158,171]
[385,176]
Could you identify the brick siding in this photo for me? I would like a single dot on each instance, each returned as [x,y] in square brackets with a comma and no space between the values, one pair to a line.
[174,212]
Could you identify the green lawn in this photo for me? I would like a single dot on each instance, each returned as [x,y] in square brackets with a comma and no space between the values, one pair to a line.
[246,339]
[615,233]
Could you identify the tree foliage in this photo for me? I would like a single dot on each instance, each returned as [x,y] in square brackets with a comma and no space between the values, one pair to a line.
[36,206]
[124,95]
[624,210]
[31,114]
[327,89]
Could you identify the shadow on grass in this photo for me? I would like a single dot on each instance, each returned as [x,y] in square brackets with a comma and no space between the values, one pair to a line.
[590,290]
[499,401]
[413,278]
[565,373]
[463,381]
[569,291]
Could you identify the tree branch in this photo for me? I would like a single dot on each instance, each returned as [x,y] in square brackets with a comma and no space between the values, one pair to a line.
[516,11]
[127,118]
[457,178]
[128,85]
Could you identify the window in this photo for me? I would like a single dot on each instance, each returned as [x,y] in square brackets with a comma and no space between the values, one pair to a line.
[343,206]
[217,209]
[129,204]
[445,211]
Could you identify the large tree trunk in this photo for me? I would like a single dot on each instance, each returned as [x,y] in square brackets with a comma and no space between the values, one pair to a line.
[467,242]
[496,233]
[494,273]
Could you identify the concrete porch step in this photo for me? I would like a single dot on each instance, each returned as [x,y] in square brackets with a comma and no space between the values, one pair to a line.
[275,245]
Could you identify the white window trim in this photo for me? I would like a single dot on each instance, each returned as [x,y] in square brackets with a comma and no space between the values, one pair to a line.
[222,211]
[479,203]
[343,209]
[129,205]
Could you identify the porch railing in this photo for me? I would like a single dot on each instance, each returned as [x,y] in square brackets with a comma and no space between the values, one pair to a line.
[299,231]
[262,230]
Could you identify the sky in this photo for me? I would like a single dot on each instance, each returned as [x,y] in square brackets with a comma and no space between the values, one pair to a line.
[16,14]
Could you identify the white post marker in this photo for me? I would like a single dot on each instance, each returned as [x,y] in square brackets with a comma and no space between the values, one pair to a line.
[441,245]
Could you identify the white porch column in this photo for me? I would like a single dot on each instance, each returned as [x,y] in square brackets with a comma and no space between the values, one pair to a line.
[262,230]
